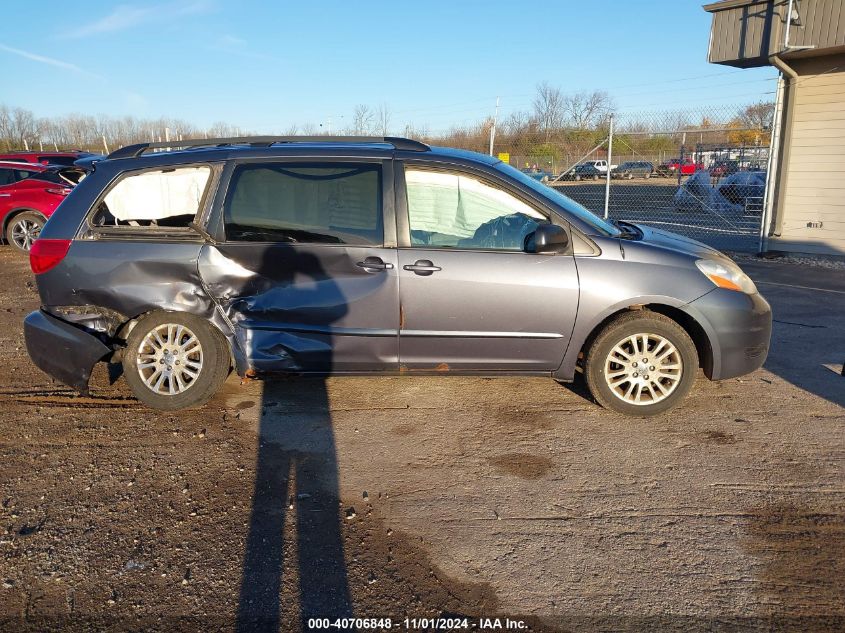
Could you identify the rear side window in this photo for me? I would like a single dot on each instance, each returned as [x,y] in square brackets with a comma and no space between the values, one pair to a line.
[67,161]
[158,198]
[23,174]
[326,204]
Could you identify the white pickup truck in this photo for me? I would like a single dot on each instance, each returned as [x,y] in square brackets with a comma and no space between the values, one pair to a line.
[601,165]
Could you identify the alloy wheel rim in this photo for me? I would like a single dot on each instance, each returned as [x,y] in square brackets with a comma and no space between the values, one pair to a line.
[170,359]
[25,232]
[643,369]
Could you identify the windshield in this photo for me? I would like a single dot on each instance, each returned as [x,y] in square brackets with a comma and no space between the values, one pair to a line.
[601,226]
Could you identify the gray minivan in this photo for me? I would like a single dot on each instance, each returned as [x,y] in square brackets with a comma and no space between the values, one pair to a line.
[336,255]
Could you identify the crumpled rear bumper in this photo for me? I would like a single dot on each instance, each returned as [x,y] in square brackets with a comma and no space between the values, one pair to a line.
[65,352]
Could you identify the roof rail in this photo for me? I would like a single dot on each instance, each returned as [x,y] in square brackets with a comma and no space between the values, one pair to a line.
[132,151]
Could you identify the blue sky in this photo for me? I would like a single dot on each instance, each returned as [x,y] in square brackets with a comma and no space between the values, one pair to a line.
[268,65]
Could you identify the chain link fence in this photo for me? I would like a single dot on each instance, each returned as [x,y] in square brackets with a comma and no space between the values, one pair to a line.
[700,173]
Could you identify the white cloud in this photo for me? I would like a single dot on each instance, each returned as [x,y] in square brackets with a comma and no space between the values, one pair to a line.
[50,61]
[239,47]
[232,40]
[126,16]
[135,102]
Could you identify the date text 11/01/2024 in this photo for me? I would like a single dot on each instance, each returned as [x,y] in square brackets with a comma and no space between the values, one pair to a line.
[419,624]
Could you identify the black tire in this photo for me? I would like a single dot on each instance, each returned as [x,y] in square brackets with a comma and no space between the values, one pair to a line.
[214,361]
[22,228]
[616,333]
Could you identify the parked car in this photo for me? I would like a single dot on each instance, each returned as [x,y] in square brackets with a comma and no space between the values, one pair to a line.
[46,158]
[29,193]
[670,167]
[299,256]
[633,169]
[738,194]
[537,174]
[723,168]
[601,165]
[584,171]
[744,186]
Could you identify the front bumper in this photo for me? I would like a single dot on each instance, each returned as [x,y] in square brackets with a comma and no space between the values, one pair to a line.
[739,327]
[63,351]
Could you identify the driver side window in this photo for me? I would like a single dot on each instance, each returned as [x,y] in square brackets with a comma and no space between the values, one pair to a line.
[453,210]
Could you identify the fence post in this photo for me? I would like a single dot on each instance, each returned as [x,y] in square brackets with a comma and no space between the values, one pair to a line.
[609,158]
[493,127]
[771,163]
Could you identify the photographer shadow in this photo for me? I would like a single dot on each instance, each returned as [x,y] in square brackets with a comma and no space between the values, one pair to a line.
[296,489]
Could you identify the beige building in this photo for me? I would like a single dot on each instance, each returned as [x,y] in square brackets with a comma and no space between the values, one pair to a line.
[805,41]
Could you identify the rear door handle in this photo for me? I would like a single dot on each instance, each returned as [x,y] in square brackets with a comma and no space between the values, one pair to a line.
[422,267]
[374,263]
[5,195]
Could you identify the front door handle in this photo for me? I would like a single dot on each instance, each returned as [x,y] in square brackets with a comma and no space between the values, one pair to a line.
[422,267]
[374,263]
[5,195]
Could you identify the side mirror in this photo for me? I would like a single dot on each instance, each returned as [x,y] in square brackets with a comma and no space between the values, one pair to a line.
[548,238]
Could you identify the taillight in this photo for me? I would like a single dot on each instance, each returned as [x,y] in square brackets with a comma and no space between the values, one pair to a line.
[45,254]
[58,192]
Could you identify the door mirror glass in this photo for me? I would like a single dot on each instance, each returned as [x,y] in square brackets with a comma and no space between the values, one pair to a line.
[548,238]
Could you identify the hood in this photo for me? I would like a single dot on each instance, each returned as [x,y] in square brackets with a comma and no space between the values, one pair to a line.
[678,243]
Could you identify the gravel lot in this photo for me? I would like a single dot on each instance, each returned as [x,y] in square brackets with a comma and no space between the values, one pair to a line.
[412,497]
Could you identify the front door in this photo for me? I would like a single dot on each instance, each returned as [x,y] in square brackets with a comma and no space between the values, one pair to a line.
[304,273]
[471,298]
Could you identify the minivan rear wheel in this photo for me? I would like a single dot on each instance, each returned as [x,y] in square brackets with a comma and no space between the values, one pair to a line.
[642,364]
[175,360]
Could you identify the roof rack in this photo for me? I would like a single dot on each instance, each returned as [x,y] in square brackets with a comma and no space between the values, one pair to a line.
[132,151]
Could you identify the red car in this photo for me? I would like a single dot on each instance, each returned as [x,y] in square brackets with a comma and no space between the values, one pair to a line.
[29,193]
[45,158]
[671,166]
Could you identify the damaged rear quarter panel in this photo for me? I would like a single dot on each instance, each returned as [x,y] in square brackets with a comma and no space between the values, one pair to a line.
[133,277]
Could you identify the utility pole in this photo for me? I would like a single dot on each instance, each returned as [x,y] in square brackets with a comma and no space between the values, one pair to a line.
[493,127]
[328,124]
[609,158]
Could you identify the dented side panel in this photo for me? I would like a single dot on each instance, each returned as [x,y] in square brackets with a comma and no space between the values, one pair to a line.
[306,307]
[131,278]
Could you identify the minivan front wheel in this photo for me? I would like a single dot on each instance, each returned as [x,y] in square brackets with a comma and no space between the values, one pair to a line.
[643,363]
[174,360]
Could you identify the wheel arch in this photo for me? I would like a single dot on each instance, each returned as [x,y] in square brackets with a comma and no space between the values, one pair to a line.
[13,213]
[696,331]
[123,330]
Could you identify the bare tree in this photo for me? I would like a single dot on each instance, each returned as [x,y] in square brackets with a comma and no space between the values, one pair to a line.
[519,122]
[6,126]
[587,109]
[362,120]
[758,115]
[549,108]
[383,119]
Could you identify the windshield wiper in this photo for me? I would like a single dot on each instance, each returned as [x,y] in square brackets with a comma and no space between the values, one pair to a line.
[629,231]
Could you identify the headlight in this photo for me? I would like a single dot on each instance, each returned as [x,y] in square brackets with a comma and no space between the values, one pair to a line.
[725,274]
